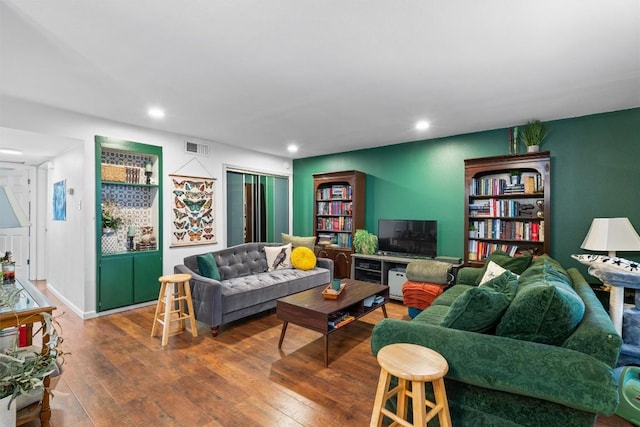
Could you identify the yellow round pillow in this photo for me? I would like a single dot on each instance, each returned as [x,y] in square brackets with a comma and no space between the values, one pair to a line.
[303,258]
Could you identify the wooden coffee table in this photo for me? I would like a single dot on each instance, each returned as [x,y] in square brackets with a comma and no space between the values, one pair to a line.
[312,311]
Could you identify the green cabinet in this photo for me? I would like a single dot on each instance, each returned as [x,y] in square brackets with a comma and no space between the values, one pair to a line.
[128,222]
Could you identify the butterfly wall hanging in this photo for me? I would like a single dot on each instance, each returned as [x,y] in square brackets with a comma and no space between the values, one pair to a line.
[193,211]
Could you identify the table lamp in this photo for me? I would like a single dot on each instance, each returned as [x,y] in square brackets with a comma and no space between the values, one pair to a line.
[611,235]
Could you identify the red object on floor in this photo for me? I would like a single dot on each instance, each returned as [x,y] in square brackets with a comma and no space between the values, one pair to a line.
[22,336]
[420,295]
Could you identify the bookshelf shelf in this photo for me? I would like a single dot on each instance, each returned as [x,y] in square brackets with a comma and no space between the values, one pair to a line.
[501,213]
[338,211]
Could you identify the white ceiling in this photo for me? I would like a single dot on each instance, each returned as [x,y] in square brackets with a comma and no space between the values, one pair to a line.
[329,75]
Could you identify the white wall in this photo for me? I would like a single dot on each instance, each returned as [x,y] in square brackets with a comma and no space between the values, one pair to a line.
[25,115]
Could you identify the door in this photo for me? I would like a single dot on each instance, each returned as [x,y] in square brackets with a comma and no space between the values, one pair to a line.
[16,240]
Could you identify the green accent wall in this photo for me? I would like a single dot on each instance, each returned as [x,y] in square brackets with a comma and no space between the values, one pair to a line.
[595,172]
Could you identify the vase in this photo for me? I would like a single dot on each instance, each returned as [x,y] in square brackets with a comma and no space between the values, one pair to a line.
[533,148]
[7,413]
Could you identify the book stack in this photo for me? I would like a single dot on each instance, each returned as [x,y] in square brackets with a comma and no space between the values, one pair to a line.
[339,319]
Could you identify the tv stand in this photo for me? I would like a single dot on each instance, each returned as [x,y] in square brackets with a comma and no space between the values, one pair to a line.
[375,268]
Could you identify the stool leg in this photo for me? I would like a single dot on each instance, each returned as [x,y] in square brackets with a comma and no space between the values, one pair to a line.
[192,315]
[419,408]
[181,312]
[167,317]
[441,399]
[378,403]
[402,398]
[157,315]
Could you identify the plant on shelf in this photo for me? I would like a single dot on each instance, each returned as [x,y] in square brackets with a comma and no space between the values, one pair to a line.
[110,220]
[365,242]
[534,134]
[515,176]
[23,369]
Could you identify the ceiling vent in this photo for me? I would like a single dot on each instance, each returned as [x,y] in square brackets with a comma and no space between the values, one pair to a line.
[197,148]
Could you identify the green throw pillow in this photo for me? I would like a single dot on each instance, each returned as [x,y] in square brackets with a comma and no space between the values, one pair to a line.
[478,309]
[547,311]
[515,265]
[296,241]
[208,267]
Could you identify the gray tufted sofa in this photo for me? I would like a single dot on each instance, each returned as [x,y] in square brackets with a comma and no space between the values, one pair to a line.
[246,287]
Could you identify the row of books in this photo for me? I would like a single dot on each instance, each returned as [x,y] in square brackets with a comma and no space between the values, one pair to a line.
[335,208]
[341,223]
[508,230]
[340,240]
[339,319]
[479,251]
[334,192]
[499,207]
[530,183]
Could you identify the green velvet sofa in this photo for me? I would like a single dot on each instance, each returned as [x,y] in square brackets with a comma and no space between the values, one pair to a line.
[535,376]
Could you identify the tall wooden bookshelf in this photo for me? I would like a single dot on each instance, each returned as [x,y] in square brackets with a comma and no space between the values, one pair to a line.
[338,211]
[500,213]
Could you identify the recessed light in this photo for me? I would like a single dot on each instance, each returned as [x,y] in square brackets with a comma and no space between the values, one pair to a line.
[292,148]
[422,125]
[10,151]
[156,113]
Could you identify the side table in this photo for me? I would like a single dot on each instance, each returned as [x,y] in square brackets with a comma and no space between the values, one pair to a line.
[626,322]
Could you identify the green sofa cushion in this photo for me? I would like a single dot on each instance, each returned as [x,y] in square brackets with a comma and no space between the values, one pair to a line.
[515,265]
[450,295]
[546,311]
[478,309]
[207,266]
[537,269]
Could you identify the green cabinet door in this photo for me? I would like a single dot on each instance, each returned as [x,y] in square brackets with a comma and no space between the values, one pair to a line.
[116,282]
[147,269]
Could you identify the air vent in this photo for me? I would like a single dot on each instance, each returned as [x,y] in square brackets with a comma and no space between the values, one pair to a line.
[196,148]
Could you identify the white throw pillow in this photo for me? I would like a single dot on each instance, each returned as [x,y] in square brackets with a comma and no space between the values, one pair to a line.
[608,262]
[493,270]
[278,257]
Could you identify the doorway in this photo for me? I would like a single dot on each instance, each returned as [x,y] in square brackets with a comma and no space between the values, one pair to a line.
[257,207]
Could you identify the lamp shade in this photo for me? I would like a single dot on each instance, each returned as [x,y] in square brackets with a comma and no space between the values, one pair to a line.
[611,234]
[11,214]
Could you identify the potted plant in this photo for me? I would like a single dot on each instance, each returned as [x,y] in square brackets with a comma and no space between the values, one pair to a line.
[534,134]
[23,370]
[110,222]
[365,242]
[515,176]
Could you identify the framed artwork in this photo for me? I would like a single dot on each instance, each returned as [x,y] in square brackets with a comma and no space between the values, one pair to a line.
[192,212]
[60,201]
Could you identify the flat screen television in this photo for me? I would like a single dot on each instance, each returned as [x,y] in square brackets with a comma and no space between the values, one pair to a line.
[409,237]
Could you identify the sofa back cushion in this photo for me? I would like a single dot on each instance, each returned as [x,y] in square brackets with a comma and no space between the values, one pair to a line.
[515,265]
[546,310]
[478,309]
[236,261]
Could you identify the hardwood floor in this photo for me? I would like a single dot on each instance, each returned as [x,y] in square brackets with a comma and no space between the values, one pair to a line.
[117,375]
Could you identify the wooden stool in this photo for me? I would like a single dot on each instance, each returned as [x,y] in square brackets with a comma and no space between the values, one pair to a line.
[179,292]
[418,365]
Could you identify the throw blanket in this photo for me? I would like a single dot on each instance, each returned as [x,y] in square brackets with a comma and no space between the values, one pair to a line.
[420,295]
[430,271]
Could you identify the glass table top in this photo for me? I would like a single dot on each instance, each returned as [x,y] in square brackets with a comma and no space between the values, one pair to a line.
[15,297]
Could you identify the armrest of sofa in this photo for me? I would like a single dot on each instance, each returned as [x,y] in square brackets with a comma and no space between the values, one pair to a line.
[526,368]
[468,276]
[326,263]
[206,295]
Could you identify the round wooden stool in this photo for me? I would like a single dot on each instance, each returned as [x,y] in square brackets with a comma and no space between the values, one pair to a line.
[417,365]
[174,293]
